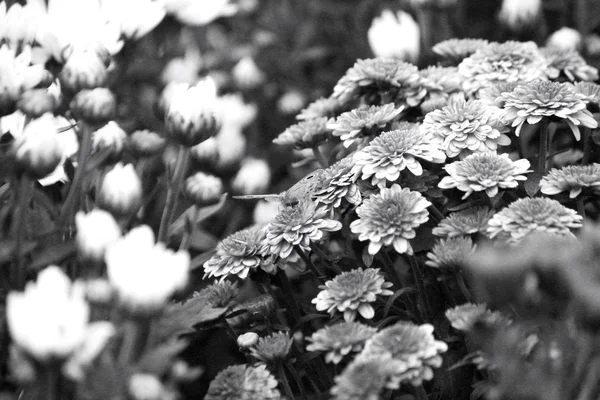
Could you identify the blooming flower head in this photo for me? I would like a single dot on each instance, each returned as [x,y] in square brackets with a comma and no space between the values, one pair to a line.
[144,274]
[570,63]
[111,137]
[338,183]
[574,178]
[238,254]
[298,225]
[340,339]
[306,134]
[590,90]
[365,379]
[145,143]
[352,293]
[489,94]
[464,317]
[322,107]
[198,13]
[464,127]
[96,231]
[528,215]
[387,27]
[516,14]
[244,382]
[272,348]
[484,172]
[219,294]
[445,80]
[360,123]
[390,218]
[456,50]
[392,152]
[465,222]
[411,345]
[450,254]
[535,100]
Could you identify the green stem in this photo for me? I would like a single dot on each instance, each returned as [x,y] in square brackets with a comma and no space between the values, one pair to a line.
[420,392]
[323,256]
[284,382]
[437,214]
[460,281]
[174,187]
[135,340]
[389,268]
[587,148]
[306,258]
[50,383]
[23,198]
[580,206]
[543,150]
[189,230]
[418,277]
[289,292]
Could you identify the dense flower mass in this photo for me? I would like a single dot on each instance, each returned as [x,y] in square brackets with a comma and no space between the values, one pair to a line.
[366,378]
[340,339]
[450,254]
[338,183]
[544,99]
[391,152]
[390,218]
[570,63]
[244,382]
[306,134]
[572,178]
[465,222]
[464,317]
[464,127]
[352,293]
[456,50]
[322,107]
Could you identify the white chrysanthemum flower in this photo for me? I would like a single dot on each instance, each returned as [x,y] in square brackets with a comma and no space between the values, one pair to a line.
[366,378]
[392,152]
[322,107]
[487,172]
[386,28]
[244,382]
[340,339]
[135,18]
[221,293]
[465,222]
[96,231]
[456,50]
[110,136]
[570,63]
[120,191]
[517,13]
[352,293]
[305,134]
[246,73]
[198,13]
[18,23]
[572,178]
[337,183]
[253,177]
[272,348]
[17,74]
[450,254]
[464,317]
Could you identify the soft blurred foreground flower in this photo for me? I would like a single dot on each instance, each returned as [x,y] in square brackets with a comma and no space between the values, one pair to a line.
[120,191]
[352,293]
[528,215]
[390,218]
[450,254]
[517,14]
[18,23]
[96,231]
[145,274]
[244,382]
[340,339]
[572,178]
[570,63]
[273,348]
[146,386]
[387,28]
[465,317]
[197,13]
[365,379]
[464,222]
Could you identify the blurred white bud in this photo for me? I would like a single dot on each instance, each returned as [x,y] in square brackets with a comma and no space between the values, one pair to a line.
[592,44]
[98,291]
[144,386]
[253,177]
[207,152]
[183,69]
[247,340]
[18,23]
[517,14]
[96,231]
[97,105]
[565,39]
[96,338]
[110,136]
[203,189]
[246,73]
[395,35]
[145,143]
[195,13]
[291,102]
[121,191]
[84,69]
[265,212]
[232,146]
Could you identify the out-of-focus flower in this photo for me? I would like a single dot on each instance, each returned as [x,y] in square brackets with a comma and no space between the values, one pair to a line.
[570,63]
[247,340]
[207,152]
[120,191]
[246,74]
[591,44]
[487,172]
[134,18]
[464,317]
[387,28]
[264,212]
[84,68]
[340,339]
[306,134]
[146,143]
[36,102]
[203,189]
[231,145]
[144,386]
[528,215]
[565,39]
[413,346]
[390,218]
[391,152]
[253,177]
[544,99]
[238,254]
[517,14]
[18,23]
[192,116]
[502,62]
[219,294]
[144,274]
[489,95]
[298,225]
[338,183]
[352,293]
[97,105]
[358,124]
[273,348]
[244,382]
[111,136]
[465,127]
[49,320]
[572,178]
[96,231]
[183,69]
[96,339]
[291,102]
[450,254]
[195,13]
[456,50]
[234,113]
[322,107]
[590,90]
[365,379]
[441,80]
[465,222]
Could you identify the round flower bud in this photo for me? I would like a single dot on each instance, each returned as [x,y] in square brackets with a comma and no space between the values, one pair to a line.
[207,152]
[94,105]
[120,191]
[143,386]
[253,177]
[191,116]
[38,150]
[99,291]
[110,137]
[565,39]
[164,101]
[291,102]
[247,340]
[203,189]
[96,231]
[146,143]
[84,69]
[246,74]
[36,102]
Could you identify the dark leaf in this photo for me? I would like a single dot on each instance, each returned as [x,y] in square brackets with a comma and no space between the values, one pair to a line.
[367,258]
[107,380]
[158,360]
[7,249]
[53,254]
[200,259]
[424,240]
[179,319]
[308,318]
[393,299]
[532,184]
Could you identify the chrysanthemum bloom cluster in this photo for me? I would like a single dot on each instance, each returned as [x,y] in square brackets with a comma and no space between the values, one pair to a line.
[464,317]
[322,107]
[539,99]
[450,254]
[490,94]
[244,382]
[361,123]
[305,134]
[391,152]
[390,218]
[528,215]
[441,80]
[465,222]
[570,63]
[366,378]
[340,339]
[273,348]
[487,172]
[352,292]
[456,50]
[338,183]
[298,225]
[219,294]
[413,346]
[502,62]
[572,178]
[464,127]
[371,76]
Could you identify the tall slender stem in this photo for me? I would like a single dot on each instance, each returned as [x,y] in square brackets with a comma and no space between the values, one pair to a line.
[135,340]
[587,148]
[580,206]
[24,193]
[389,267]
[543,151]
[420,392]
[289,292]
[284,382]
[418,277]
[306,258]
[174,187]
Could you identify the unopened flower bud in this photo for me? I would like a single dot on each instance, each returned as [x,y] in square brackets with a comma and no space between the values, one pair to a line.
[145,143]
[99,291]
[246,74]
[94,105]
[389,26]
[164,100]
[96,231]
[36,102]
[291,102]
[253,177]
[247,340]
[203,189]
[181,371]
[121,191]
[110,138]
[84,69]
[143,386]
[207,152]
[518,14]
[38,151]
[565,38]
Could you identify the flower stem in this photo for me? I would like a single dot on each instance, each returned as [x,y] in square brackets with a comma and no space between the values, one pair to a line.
[23,197]
[587,148]
[462,285]
[50,383]
[319,156]
[284,382]
[543,146]
[306,258]
[174,187]
[289,292]
[135,340]
[389,268]
[420,392]
[418,277]
[323,256]
[580,206]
